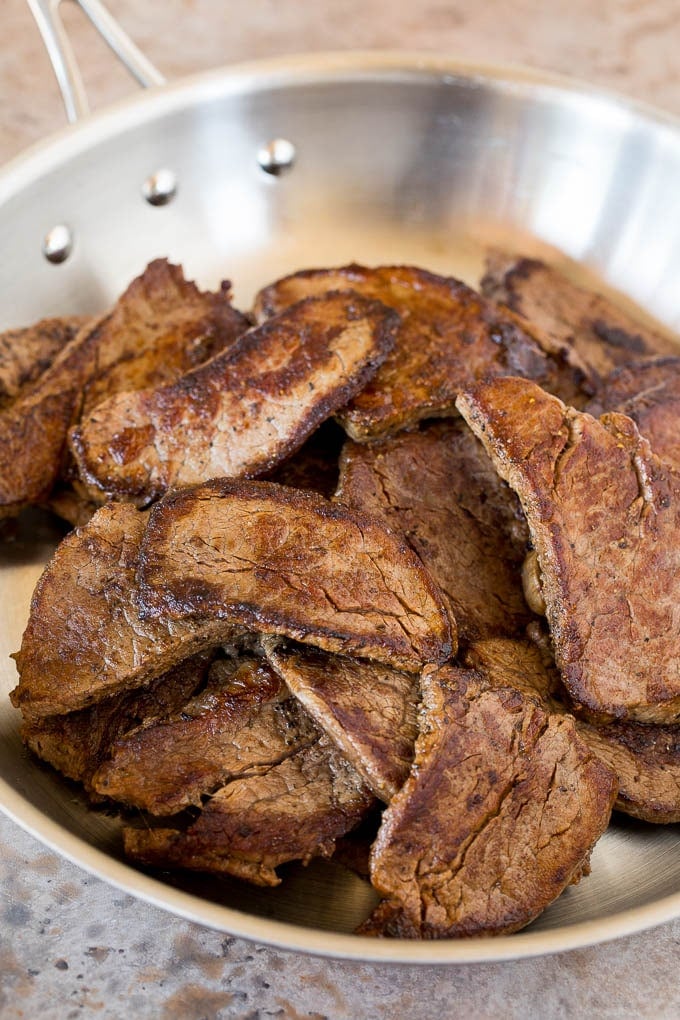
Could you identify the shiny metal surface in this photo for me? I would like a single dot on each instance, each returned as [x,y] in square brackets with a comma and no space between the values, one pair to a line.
[64,63]
[398,158]
[57,243]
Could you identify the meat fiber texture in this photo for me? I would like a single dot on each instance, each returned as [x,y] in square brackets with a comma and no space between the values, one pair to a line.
[602,335]
[644,758]
[449,336]
[604,516]
[279,561]
[294,811]
[242,723]
[438,488]
[160,327]
[369,711]
[649,393]
[244,411]
[498,816]
[77,743]
[86,638]
[26,353]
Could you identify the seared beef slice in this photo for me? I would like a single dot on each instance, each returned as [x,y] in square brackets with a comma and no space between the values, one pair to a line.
[649,393]
[604,517]
[161,326]
[449,336]
[439,489]
[645,759]
[85,638]
[499,814]
[77,743]
[279,561]
[241,413]
[243,722]
[368,710]
[602,334]
[26,353]
[295,811]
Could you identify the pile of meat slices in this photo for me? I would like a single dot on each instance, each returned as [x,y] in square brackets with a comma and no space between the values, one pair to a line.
[444,616]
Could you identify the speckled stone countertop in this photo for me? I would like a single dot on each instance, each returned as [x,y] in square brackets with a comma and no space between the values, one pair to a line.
[72,946]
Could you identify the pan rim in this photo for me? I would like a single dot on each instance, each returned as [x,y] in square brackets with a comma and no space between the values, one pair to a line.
[261,75]
[300,69]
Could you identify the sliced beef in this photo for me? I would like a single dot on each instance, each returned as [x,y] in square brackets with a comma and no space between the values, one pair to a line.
[26,353]
[604,516]
[76,744]
[368,710]
[449,336]
[279,561]
[295,811]
[161,326]
[86,638]
[438,488]
[244,411]
[644,758]
[66,502]
[243,723]
[649,393]
[499,814]
[603,335]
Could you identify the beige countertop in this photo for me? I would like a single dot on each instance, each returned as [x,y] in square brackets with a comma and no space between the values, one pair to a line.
[72,946]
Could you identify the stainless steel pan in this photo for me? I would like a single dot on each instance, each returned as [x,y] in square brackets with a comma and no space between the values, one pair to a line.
[376,157]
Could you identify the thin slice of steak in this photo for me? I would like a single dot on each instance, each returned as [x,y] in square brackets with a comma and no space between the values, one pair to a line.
[649,393]
[161,326]
[76,744]
[603,335]
[243,723]
[644,758]
[438,488]
[368,710]
[295,811]
[498,816]
[86,638]
[26,353]
[279,561]
[604,515]
[449,337]
[244,411]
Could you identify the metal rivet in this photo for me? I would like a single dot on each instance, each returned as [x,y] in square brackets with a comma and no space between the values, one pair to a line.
[160,188]
[276,156]
[57,243]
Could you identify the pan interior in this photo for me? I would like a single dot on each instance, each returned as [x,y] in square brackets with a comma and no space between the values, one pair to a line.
[390,166]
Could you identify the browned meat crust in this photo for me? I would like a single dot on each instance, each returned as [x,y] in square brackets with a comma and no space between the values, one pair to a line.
[603,335]
[76,744]
[244,411]
[369,711]
[242,723]
[160,326]
[449,337]
[85,638]
[499,814]
[26,353]
[295,811]
[649,393]
[644,758]
[279,561]
[604,517]
[438,488]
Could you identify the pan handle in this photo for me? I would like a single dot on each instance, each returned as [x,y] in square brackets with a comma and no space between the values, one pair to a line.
[46,14]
